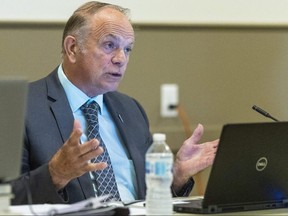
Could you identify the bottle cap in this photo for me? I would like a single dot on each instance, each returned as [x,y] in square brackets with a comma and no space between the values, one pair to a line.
[159,137]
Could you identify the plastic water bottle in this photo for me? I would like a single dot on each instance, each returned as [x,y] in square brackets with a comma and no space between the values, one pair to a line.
[159,176]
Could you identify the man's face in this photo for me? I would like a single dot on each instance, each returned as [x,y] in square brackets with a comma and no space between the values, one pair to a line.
[102,59]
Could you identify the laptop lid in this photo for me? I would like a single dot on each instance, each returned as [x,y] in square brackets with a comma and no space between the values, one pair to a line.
[250,169]
[13,95]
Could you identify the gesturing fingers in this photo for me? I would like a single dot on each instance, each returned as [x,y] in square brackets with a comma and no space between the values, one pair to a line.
[75,135]
[73,158]
[197,134]
[90,150]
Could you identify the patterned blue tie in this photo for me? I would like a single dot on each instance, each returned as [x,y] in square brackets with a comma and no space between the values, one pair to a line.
[104,179]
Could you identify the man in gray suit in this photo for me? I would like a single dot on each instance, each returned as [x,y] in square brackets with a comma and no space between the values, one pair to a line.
[56,167]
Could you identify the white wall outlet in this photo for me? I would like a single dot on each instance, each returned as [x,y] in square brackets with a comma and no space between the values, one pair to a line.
[169,97]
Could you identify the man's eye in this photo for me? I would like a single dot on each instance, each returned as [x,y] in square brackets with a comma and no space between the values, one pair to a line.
[110,45]
[128,50]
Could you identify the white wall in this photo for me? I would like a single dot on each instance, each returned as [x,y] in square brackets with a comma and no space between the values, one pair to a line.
[197,12]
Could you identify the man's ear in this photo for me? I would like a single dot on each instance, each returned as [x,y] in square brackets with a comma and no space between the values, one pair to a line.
[70,48]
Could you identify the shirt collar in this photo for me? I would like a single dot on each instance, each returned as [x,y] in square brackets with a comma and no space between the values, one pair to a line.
[75,96]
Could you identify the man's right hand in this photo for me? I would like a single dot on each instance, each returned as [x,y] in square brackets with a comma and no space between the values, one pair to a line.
[73,158]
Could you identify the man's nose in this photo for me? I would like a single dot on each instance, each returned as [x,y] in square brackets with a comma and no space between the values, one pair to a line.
[120,57]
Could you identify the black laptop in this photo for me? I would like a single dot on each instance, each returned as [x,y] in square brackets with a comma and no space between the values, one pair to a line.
[250,171]
[13,96]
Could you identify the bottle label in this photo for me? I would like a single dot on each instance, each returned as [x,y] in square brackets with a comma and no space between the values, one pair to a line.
[159,167]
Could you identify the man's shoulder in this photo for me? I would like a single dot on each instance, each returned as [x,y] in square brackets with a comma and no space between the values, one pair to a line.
[123,102]
[41,84]
[51,76]
[117,94]
[119,98]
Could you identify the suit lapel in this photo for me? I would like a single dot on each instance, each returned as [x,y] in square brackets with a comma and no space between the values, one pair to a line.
[64,118]
[116,109]
[60,106]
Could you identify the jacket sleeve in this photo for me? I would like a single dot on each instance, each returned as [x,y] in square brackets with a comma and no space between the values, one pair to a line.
[36,184]
[185,190]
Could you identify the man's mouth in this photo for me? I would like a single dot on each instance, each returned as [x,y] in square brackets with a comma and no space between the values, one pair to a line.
[115,74]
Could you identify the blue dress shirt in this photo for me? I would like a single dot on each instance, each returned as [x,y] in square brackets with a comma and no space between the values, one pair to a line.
[122,166]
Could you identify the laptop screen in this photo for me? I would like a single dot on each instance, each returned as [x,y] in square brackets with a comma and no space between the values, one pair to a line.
[12,111]
[250,165]
[249,171]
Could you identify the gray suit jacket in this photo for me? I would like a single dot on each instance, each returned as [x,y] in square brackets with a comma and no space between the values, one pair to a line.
[48,125]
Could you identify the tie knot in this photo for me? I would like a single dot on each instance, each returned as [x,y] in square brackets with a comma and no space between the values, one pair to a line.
[90,107]
[90,110]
